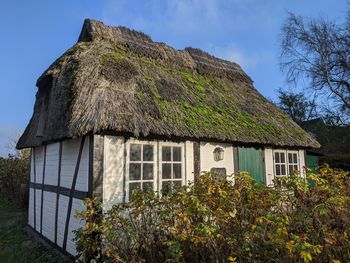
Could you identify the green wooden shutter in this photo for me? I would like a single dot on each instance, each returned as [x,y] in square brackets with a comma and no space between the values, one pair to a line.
[312,163]
[251,160]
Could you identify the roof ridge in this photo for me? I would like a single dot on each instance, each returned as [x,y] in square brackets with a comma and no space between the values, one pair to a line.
[204,62]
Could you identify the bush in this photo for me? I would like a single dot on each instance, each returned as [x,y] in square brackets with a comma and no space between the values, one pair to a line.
[14,171]
[220,221]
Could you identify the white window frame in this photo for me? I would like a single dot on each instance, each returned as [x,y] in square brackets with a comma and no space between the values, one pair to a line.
[127,175]
[182,162]
[280,163]
[286,163]
[293,163]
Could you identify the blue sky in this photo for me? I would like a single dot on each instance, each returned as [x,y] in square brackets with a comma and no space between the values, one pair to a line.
[34,33]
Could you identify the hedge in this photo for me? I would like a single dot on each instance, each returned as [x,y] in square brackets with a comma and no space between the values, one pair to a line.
[225,221]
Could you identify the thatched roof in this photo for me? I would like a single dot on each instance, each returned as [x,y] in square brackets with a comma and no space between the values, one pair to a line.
[117,79]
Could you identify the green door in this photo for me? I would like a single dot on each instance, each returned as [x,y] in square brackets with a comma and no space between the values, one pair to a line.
[312,163]
[251,160]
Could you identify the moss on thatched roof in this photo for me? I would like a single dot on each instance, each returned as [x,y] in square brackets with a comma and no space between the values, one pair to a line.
[117,79]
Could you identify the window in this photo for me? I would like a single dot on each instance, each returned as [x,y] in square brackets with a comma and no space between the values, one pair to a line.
[171,168]
[293,163]
[280,164]
[218,172]
[141,167]
[286,162]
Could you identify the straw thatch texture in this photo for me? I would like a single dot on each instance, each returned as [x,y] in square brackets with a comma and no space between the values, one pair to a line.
[117,79]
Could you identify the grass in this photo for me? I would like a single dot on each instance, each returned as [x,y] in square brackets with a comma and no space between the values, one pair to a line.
[16,245]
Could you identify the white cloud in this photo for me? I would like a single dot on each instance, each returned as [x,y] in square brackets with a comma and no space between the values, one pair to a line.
[247,60]
[204,19]
[200,23]
[179,15]
[194,15]
[238,56]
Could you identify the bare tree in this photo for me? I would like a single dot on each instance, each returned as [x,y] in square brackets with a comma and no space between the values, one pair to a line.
[318,51]
[297,105]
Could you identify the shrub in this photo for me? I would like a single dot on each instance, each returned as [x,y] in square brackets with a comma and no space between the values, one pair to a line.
[14,171]
[221,221]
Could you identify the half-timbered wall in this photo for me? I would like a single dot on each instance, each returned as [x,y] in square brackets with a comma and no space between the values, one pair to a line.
[64,173]
[59,181]
[116,165]
[197,157]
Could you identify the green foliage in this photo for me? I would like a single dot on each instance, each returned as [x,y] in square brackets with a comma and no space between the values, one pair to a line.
[221,221]
[89,241]
[14,171]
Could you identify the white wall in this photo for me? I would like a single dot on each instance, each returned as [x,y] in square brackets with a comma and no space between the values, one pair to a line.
[49,214]
[70,151]
[61,219]
[302,163]
[31,208]
[207,157]
[74,224]
[51,166]
[113,177]
[189,161]
[39,163]
[269,168]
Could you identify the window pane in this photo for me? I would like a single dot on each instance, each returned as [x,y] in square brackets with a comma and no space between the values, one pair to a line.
[278,169]
[148,152]
[296,168]
[135,171]
[277,157]
[291,170]
[166,187]
[166,171]
[295,158]
[283,170]
[283,159]
[290,158]
[147,186]
[177,170]
[177,154]
[135,152]
[166,153]
[134,186]
[176,184]
[147,171]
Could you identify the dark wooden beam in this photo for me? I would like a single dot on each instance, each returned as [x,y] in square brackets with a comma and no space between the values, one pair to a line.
[58,188]
[72,189]
[91,165]
[124,169]
[34,175]
[235,159]
[61,190]
[196,160]
[42,192]
[96,164]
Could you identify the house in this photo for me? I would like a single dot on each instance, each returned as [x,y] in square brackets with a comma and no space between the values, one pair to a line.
[119,111]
